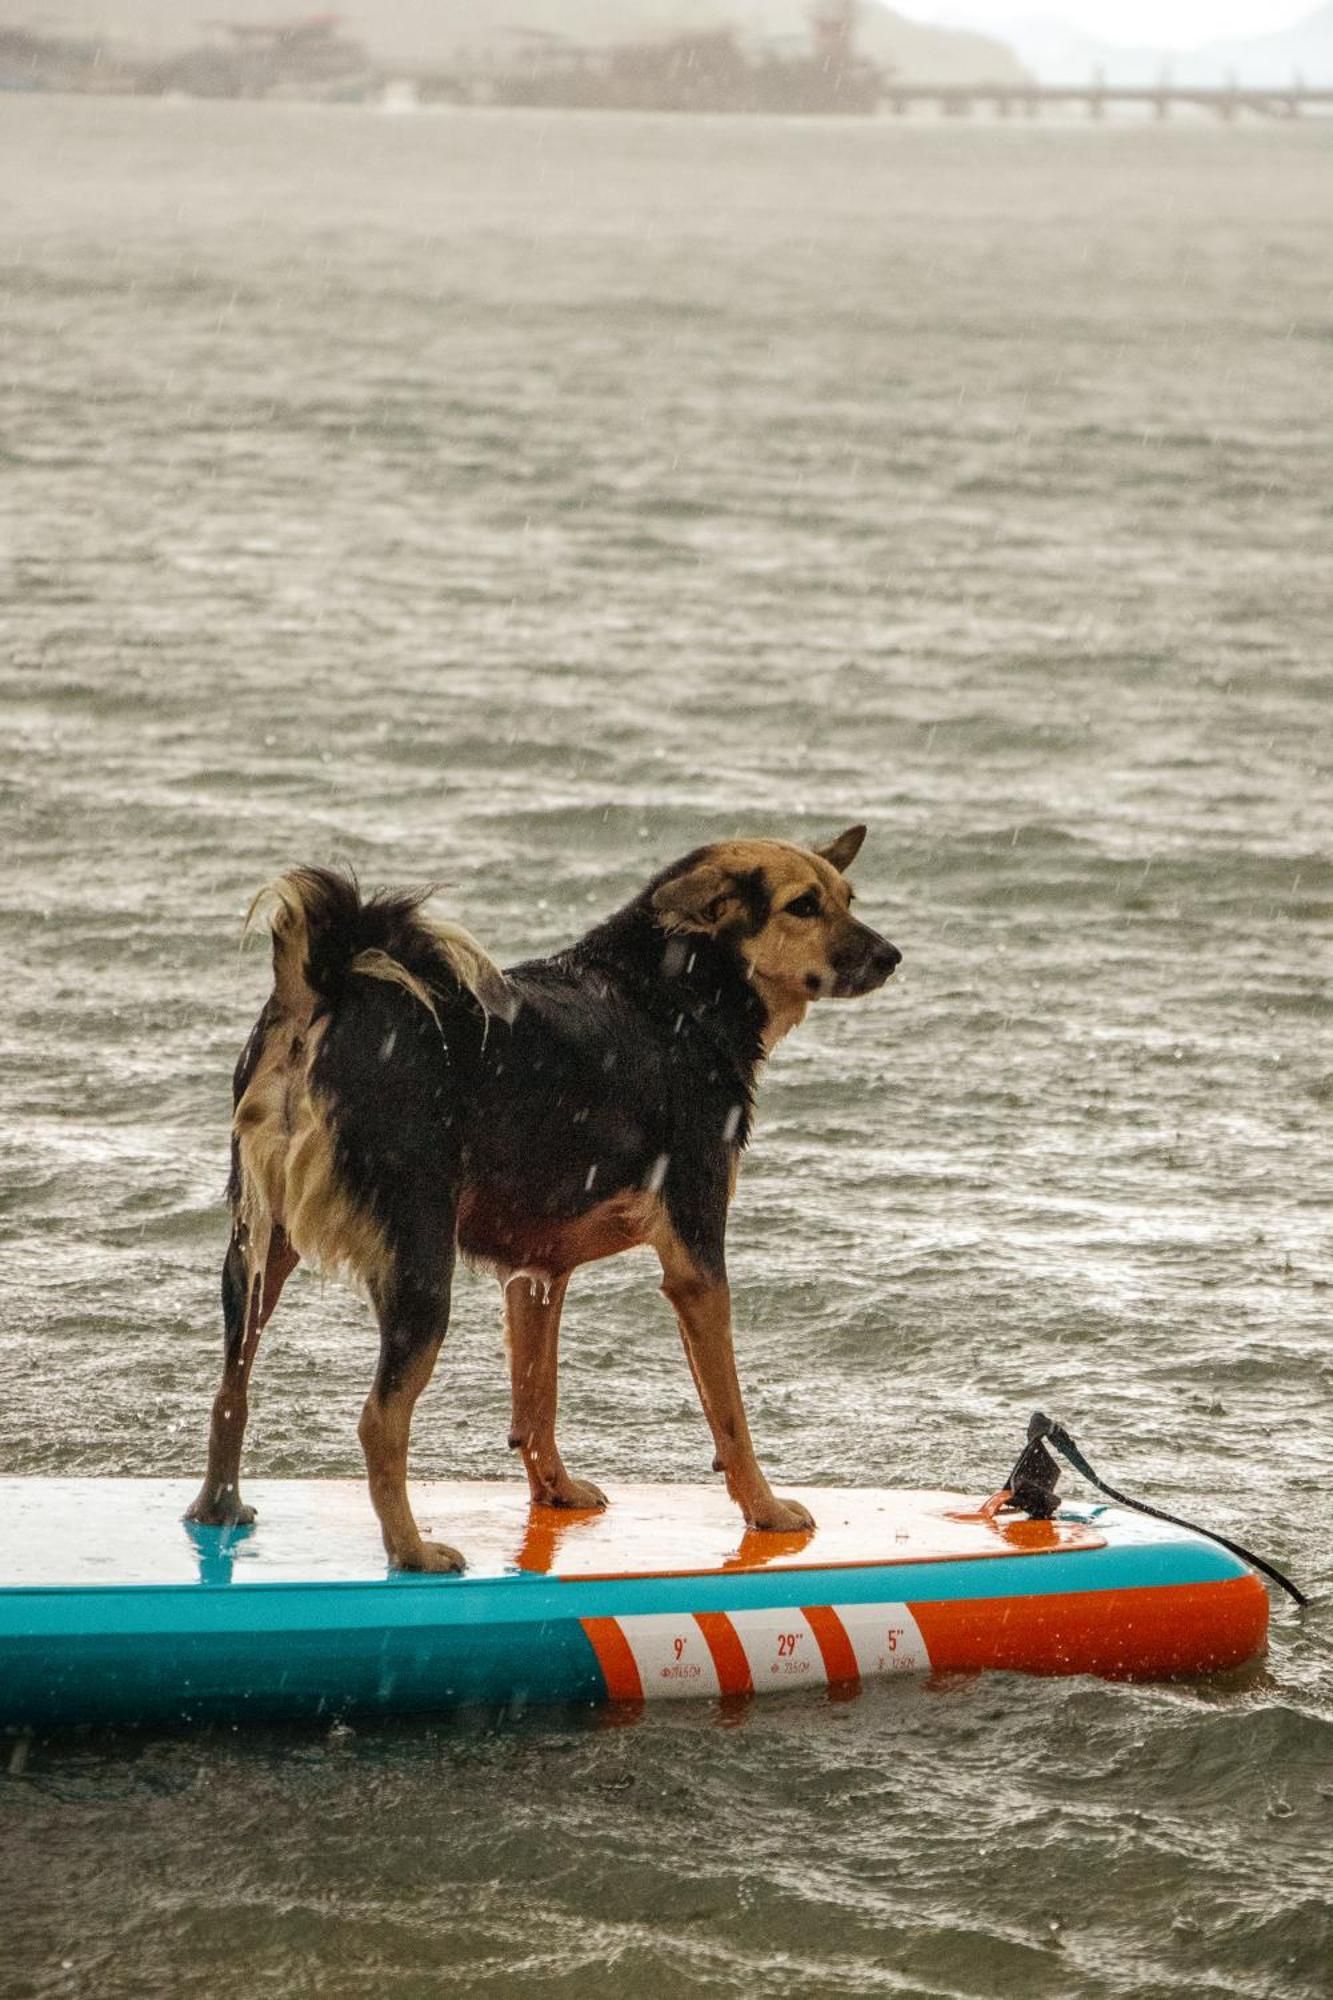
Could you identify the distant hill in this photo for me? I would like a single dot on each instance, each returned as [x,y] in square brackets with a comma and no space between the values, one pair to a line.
[1056,52]
[1307,47]
[426,33]
[917,53]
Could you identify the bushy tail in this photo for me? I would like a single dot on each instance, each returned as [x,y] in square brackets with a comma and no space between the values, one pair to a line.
[325,932]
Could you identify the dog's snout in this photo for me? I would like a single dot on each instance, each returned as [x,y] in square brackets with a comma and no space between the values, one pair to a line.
[866,962]
[879,962]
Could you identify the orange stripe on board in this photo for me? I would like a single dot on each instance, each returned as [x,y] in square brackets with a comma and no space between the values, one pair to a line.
[839,1658]
[733,1668]
[1140,1634]
[619,1668]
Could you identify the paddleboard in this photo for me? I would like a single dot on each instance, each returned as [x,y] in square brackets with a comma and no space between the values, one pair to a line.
[114,1610]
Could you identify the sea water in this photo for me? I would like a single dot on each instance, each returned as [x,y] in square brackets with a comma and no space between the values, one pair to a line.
[513,502]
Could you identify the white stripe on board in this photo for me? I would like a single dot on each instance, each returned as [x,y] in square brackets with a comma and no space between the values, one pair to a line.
[885,1638]
[781,1648]
[671,1654]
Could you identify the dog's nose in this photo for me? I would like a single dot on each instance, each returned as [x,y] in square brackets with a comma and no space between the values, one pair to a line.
[885,957]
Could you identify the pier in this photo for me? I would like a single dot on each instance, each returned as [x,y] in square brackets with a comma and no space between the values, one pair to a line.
[1008,100]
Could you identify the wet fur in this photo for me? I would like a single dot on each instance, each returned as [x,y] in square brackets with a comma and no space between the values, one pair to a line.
[401,1099]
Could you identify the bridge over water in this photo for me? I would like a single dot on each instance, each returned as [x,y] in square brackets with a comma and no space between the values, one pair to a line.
[1007,100]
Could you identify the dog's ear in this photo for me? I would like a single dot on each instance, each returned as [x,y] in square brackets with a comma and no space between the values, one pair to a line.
[698,901]
[844,850]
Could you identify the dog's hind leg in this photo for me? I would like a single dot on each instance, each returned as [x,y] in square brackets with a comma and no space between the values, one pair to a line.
[532,1333]
[702,1304]
[412,1302]
[251,1287]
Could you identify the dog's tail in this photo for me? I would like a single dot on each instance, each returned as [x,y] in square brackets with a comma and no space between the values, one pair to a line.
[326,932]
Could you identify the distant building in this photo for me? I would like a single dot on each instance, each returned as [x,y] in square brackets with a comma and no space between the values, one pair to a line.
[698,72]
[300,58]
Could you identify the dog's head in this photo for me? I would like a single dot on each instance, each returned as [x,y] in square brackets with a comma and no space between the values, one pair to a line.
[787,911]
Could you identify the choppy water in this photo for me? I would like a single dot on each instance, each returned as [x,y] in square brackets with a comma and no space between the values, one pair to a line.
[517,502]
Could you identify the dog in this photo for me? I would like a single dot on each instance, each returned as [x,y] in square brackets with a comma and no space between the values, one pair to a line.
[401,1099]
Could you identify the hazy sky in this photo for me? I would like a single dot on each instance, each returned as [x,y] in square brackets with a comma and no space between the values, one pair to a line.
[1178,23]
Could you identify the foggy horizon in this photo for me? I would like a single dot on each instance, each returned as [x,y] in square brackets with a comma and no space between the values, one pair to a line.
[1184,25]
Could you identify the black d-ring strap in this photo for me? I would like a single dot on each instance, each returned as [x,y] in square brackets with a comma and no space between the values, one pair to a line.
[1031,1487]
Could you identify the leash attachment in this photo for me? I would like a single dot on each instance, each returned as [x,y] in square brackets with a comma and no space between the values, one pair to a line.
[1030,1489]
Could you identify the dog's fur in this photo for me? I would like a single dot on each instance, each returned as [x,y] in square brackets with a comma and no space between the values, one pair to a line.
[400,1098]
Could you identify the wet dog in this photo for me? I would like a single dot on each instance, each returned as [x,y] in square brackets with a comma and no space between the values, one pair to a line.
[400,1099]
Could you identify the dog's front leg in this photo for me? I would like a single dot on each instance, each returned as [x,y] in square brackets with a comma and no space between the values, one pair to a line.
[532,1333]
[703,1307]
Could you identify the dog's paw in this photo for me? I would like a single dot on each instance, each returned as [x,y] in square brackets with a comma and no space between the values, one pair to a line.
[575,1493]
[433,1558]
[782,1517]
[207,1512]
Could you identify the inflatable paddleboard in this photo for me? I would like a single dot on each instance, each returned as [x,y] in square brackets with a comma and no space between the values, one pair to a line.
[114,1610]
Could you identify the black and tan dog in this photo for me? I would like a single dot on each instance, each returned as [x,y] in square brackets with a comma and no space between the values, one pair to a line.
[400,1099]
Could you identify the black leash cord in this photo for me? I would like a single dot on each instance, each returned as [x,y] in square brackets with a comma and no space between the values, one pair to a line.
[1055,1434]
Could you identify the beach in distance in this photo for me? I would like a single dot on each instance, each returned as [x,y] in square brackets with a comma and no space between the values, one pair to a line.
[515,501]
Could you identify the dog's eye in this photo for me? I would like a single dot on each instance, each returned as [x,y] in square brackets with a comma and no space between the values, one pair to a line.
[804,906]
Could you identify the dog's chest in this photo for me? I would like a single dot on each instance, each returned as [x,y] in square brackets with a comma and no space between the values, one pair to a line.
[496,1228]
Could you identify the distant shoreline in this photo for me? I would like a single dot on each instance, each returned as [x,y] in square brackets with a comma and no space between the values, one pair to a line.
[930,107]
